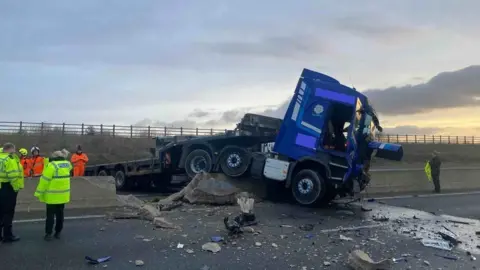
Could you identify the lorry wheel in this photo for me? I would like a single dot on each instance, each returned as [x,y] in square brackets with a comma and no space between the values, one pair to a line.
[234,161]
[102,173]
[308,187]
[121,182]
[198,161]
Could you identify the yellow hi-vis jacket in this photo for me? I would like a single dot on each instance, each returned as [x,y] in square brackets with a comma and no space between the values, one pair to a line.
[11,171]
[54,184]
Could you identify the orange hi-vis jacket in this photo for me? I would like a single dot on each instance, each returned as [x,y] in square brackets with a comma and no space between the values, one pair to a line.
[79,161]
[36,165]
[26,164]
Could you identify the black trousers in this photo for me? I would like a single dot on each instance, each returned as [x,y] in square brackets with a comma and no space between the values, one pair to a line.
[54,215]
[8,201]
[436,181]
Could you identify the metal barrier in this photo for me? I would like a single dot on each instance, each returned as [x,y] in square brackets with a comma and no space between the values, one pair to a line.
[29,128]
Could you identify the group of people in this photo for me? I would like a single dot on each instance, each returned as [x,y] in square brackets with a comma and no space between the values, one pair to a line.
[34,165]
[53,187]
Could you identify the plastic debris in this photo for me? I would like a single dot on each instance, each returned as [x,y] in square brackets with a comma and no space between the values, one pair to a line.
[452,258]
[359,260]
[216,239]
[258,244]
[139,263]
[91,260]
[309,236]
[438,244]
[189,251]
[344,238]
[180,245]
[212,247]
[449,236]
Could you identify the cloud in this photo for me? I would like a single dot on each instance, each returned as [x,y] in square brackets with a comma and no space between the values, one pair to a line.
[446,90]
[198,113]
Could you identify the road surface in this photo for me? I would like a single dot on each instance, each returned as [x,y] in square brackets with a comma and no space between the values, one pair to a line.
[284,245]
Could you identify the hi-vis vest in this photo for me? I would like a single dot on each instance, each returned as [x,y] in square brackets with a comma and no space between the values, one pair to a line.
[11,171]
[54,184]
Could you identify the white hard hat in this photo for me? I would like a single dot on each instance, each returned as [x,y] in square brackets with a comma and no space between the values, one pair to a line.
[34,148]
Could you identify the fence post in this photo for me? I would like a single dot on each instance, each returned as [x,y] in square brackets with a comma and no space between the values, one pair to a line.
[101,129]
[448,139]
[388,138]
[165,131]
[424,138]
[473,139]
[41,128]
[149,132]
[20,127]
[416,139]
[63,129]
[433,139]
[196,131]
[83,129]
[457,139]
[131,131]
[397,139]
[181,131]
[440,139]
[211,131]
[113,131]
[465,139]
[406,138]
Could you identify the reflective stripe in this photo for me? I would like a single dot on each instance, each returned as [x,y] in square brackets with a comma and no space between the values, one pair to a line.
[46,178]
[53,191]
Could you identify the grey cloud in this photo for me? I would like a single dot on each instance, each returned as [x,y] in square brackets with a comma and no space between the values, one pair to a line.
[199,113]
[446,90]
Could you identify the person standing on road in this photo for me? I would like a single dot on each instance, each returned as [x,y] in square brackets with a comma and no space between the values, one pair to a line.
[79,160]
[54,190]
[37,162]
[25,161]
[435,164]
[11,181]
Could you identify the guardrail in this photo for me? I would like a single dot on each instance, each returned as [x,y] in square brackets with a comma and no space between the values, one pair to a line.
[30,128]
[43,129]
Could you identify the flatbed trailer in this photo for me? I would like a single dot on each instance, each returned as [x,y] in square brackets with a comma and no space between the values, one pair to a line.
[188,155]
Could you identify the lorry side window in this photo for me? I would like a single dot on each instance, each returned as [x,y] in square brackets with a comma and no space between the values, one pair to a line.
[339,117]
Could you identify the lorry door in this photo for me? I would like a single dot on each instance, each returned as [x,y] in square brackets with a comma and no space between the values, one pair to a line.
[352,146]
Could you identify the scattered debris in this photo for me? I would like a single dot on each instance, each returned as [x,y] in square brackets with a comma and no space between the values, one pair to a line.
[344,238]
[326,263]
[286,226]
[438,244]
[459,222]
[205,268]
[452,258]
[216,239]
[248,229]
[306,227]
[376,240]
[139,263]
[380,218]
[169,206]
[365,209]
[179,245]
[148,239]
[124,215]
[212,247]
[427,263]
[160,222]
[309,236]
[396,260]
[258,244]
[189,251]
[91,260]
[246,217]
[274,245]
[359,260]
[449,236]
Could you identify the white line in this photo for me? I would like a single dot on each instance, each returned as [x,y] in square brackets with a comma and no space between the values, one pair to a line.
[66,218]
[353,228]
[427,195]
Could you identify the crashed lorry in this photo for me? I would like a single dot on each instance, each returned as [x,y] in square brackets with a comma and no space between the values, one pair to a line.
[321,148]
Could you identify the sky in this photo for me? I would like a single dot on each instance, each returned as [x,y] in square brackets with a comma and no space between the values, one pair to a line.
[206,63]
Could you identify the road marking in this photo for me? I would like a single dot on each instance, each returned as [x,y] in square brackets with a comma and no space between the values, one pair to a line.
[66,218]
[427,195]
[346,229]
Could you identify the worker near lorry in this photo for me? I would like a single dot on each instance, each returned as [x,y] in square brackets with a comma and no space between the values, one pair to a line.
[11,181]
[25,161]
[435,164]
[37,163]
[79,160]
[54,190]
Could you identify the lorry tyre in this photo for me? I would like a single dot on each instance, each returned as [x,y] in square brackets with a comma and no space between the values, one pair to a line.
[234,161]
[121,182]
[102,173]
[197,161]
[308,187]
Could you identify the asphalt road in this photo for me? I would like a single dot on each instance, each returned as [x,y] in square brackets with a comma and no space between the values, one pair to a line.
[284,245]
[462,205]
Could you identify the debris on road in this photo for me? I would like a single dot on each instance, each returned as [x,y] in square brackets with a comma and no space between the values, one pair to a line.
[344,238]
[438,244]
[180,246]
[160,222]
[345,212]
[91,260]
[380,218]
[139,263]
[216,239]
[306,227]
[212,247]
[170,206]
[459,222]
[449,236]
[359,260]
[245,218]
[448,257]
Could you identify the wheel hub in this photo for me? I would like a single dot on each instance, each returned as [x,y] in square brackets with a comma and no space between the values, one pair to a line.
[198,164]
[305,186]
[234,160]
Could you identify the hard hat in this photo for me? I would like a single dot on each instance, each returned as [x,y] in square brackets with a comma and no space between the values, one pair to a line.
[35,148]
[23,151]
